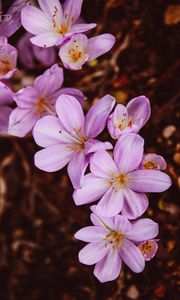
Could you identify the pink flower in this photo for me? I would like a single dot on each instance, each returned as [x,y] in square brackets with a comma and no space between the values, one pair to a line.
[118,182]
[70,138]
[38,100]
[6,98]
[79,49]
[113,240]
[153,161]
[148,249]
[130,118]
[52,24]
[8,59]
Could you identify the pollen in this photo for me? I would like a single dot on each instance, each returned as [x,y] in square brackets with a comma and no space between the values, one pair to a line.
[119,180]
[5,66]
[75,53]
[146,248]
[114,238]
[149,165]
[41,105]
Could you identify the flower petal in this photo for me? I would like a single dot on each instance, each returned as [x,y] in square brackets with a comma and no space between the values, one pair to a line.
[92,253]
[101,221]
[26,97]
[53,158]
[72,10]
[45,40]
[102,165]
[92,189]
[99,45]
[52,8]
[153,161]
[93,145]
[6,95]
[111,203]
[121,224]
[128,152]
[145,181]
[4,118]
[70,113]
[78,28]
[143,230]
[46,57]
[91,234]
[139,111]
[76,169]
[109,267]
[96,117]
[75,93]
[132,256]
[135,204]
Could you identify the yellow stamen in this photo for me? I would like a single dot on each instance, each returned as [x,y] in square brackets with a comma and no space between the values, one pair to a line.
[149,165]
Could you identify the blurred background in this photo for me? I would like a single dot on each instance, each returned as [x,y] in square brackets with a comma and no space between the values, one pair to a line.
[38,218]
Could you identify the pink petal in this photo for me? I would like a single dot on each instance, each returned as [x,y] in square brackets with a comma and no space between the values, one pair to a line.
[47,57]
[27,97]
[91,234]
[52,9]
[132,256]
[143,230]
[145,181]
[75,93]
[70,113]
[135,204]
[99,45]
[78,28]
[111,203]
[34,21]
[6,95]
[92,189]
[109,267]
[121,224]
[76,169]
[72,10]
[106,223]
[139,111]
[4,118]
[96,117]
[53,158]
[45,39]
[102,165]
[93,145]
[128,152]
[153,161]
[92,253]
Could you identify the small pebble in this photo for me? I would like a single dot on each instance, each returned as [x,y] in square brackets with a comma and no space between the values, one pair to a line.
[176,158]
[168,131]
[132,292]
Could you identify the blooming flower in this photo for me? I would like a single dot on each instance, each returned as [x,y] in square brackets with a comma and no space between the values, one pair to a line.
[6,98]
[79,49]
[153,161]
[32,53]
[113,240]
[130,118]
[53,24]
[70,139]
[8,59]
[148,249]
[38,100]
[119,183]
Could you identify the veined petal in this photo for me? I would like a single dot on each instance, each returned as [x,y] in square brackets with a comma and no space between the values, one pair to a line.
[102,165]
[143,230]
[92,189]
[78,28]
[45,40]
[71,114]
[92,253]
[34,21]
[134,205]
[93,145]
[53,158]
[99,45]
[91,234]
[76,169]
[128,152]
[74,93]
[101,221]
[111,203]
[121,224]
[52,9]
[153,161]
[26,97]
[132,256]
[96,117]
[145,181]
[109,267]
[72,10]
[139,111]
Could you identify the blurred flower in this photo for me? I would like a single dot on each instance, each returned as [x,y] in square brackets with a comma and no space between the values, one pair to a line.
[130,118]
[52,24]
[30,53]
[79,49]
[6,98]
[38,100]
[70,139]
[113,240]
[119,183]
[153,161]
[8,59]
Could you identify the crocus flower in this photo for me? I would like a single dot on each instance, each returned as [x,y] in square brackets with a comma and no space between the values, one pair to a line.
[31,53]
[153,161]
[79,49]
[130,118]
[6,98]
[148,249]
[70,138]
[119,182]
[113,240]
[52,24]
[38,100]
[8,59]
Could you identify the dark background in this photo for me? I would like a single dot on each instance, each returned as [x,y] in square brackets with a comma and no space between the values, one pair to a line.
[38,253]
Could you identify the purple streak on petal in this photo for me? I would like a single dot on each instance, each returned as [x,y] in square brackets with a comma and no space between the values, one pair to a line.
[96,117]
[99,45]
[102,165]
[109,267]
[142,230]
[145,181]
[91,234]
[128,152]
[76,169]
[111,203]
[92,253]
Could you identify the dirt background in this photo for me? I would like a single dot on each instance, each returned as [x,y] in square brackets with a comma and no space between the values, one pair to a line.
[38,253]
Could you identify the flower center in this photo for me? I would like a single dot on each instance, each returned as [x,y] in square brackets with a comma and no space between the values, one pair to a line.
[78,138]
[124,124]
[119,180]
[5,66]
[114,238]
[149,165]
[43,105]
[75,53]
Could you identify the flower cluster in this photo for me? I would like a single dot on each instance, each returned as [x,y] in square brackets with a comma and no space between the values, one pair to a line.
[116,173]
